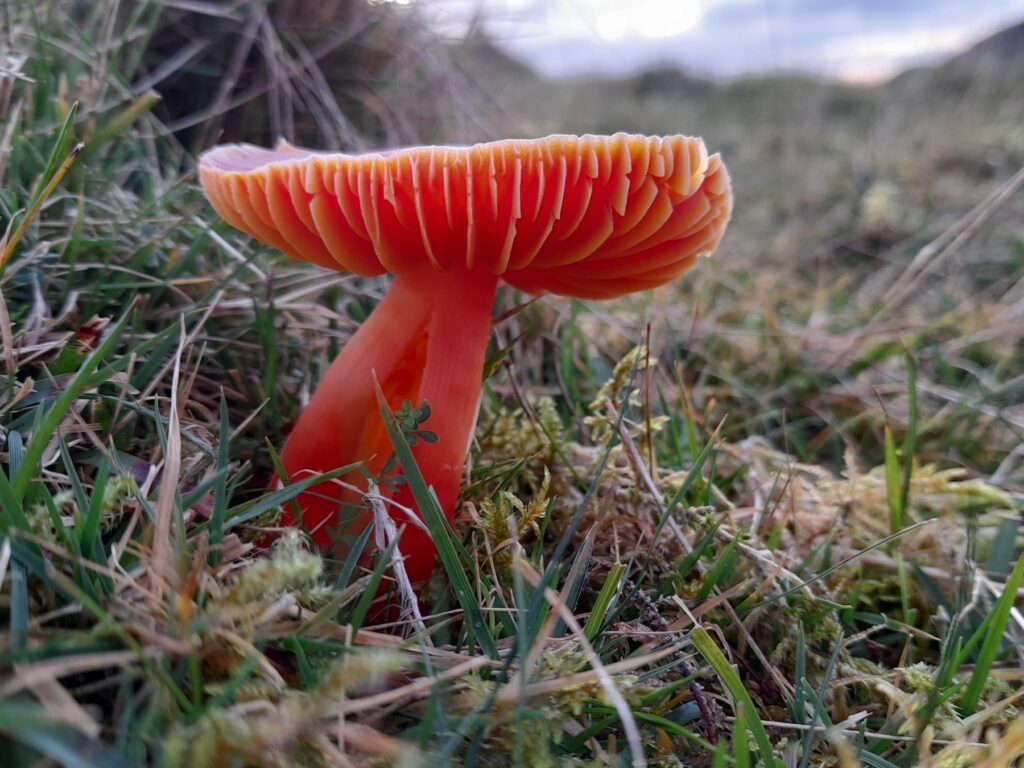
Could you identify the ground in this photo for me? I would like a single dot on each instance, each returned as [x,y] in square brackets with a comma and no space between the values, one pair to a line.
[776,505]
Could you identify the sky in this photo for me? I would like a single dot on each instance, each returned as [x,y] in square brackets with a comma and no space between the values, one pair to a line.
[853,40]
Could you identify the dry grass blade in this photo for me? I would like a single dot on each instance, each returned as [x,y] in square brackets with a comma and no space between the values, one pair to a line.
[545,687]
[7,336]
[5,560]
[386,529]
[8,244]
[932,255]
[415,690]
[8,135]
[62,707]
[673,525]
[161,566]
[40,672]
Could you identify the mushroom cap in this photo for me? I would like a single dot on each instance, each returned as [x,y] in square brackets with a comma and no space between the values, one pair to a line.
[584,216]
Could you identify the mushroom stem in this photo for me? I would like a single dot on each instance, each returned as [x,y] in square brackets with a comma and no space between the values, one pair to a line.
[425,342]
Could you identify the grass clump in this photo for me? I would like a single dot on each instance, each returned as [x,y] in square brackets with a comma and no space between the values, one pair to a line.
[753,532]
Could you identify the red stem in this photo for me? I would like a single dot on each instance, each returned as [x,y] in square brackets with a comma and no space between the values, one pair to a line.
[425,341]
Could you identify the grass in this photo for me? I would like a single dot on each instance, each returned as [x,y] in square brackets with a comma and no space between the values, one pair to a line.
[762,518]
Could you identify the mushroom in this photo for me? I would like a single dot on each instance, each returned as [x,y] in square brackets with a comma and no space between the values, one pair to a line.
[593,217]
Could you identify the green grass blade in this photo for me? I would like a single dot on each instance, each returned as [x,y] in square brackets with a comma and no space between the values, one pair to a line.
[372,588]
[199,491]
[81,499]
[249,510]
[874,761]
[574,581]
[19,603]
[10,505]
[440,532]
[286,481]
[242,675]
[843,563]
[51,420]
[220,490]
[740,746]
[719,571]
[892,482]
[800,662]
[57,154]
[690,423]
[31,725]
[818,709]
[963,652]
[992,642]
[89,538]
[119,630]
[720,759]
[15,451]
[910,441]
[669,726]
[471,723]
[688,563]
[605,600]
[1000,558]
[352,559]
[121,122]
[730,678]
[19,611]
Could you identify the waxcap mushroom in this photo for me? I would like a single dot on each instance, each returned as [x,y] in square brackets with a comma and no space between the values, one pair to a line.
[587,216]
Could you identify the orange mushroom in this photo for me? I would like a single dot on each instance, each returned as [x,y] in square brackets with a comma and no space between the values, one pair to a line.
[593,217]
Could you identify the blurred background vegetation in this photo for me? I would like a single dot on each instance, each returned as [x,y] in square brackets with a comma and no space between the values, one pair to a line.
[865,218]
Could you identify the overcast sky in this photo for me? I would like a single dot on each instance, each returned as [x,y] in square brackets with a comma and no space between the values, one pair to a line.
[857,40]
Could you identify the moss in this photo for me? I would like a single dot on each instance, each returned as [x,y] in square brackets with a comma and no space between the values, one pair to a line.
[118,493]
[498,515]
[290,568]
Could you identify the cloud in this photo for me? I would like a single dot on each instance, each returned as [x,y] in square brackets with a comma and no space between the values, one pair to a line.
[856,39]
